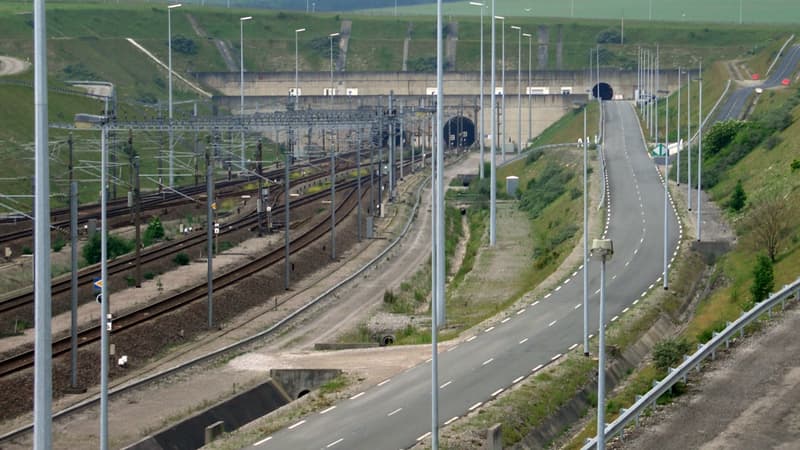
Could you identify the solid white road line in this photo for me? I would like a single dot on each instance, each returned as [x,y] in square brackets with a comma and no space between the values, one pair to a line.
[328,409]
[334,443]
[292,427]
[394,412]
[262,441]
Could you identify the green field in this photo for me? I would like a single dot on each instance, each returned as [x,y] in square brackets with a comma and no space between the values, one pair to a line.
[723,11]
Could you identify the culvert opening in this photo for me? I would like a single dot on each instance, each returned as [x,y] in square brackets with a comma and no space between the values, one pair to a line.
[459,132]
[603,90]
[303,393]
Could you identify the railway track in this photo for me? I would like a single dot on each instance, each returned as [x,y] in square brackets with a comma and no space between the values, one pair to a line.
[130,320]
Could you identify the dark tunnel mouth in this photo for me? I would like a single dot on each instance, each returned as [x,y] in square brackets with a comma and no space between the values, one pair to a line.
[459,132]
[606,91]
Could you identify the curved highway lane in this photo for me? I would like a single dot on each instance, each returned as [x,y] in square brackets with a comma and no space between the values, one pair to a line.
[395,413]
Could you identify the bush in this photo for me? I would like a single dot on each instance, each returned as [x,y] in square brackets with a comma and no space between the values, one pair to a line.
[763,279]
[26,250]
[669,352]
[795,165]
[182,44]
[772,142]
[116,246]
[58,244]
[738,198]
[609,36]
[149,275]
[181,259]
[154,231]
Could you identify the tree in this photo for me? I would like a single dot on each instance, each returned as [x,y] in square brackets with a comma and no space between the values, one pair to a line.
[116,246]
[738,198]
[154,231]
[763,279]
[770,221]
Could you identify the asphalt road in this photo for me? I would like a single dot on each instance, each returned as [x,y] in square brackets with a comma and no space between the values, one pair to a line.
[396,412]
[734,106]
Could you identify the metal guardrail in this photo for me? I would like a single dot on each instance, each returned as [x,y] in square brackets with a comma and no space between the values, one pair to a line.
[693,362]
[236,345]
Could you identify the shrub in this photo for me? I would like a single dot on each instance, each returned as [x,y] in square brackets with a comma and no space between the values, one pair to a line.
[58,244]
[154,231]
[763,279]
[669,352]
[27,250]
[182,44]
[181,259]
[738,198]
[772,142]
[149,275]
[116,246]
[795,165]
[609,36]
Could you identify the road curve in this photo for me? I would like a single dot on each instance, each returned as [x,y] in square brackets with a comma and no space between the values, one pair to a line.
[396,412]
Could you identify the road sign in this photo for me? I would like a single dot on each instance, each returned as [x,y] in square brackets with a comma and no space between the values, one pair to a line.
[98,284]
[659,150]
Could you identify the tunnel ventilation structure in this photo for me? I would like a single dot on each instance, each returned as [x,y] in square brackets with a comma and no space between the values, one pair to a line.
[603,90]
[459,132]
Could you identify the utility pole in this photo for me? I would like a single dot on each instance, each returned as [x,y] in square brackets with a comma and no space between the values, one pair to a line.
[260,204]
[210,228]
[137,216]
[333,202]
[73,234]
[358,176]
[286,213]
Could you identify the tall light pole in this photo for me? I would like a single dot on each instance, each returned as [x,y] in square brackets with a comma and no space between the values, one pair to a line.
[503,82]
[519,86]
[689,139]
[493,165]
[169,69]
[296,64]
[650,13]
[585,238]
[602,250]
[699,151]
[678,166]
[483,113]
[242,20]
[666,191]
[104,323]
[437,314]
[42,369]
[530,99]
[331,36]
[740,12]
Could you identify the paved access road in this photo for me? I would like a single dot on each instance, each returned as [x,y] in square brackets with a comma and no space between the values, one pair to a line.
[734,106]
[396,412]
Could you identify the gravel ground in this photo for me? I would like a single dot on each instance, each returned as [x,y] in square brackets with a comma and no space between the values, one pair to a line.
[12,66]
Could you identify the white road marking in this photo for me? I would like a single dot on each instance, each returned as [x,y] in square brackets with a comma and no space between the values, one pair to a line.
[568,280]
[635,251]
[471,338]
[394,412]
[489,329]
[626,264]
[658,280]
[573,347]
[292,427]
[552,323]
[423,436]
[428,360]
[644,293]
[575,273]
[357,395]
[523,341]
[505,320]
[591,336]
[636,301]
[597,291]
[613,319]
[557,289]
[450,349]
[495,393]
[580,267]
[384,381]
[451,420]
[517,380]
[446,384]
[334,443]
[548,295]
[521,311]
[536,369]
[535,303]
[625,310]
[328,409]
[487,361]
[577,306]
[268,438]
[651,286]
[555,357]
[614,277]
[476,405]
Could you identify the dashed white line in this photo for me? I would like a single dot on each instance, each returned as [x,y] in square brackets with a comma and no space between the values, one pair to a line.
[487,361]
[446,384]
[521,311]
[574,273]
[625,310]
[505,320]
[636,301]
[591,336]
[292,427]
[471,338]
[357,395]
[597,291]
[535,303]
[626,264]
[651,286]
[394,412]
[489,329]
[497,392]
[557,289]
[613,319]
[523,341]
[577,306]
[644,293]
[552,323]
[475,406]
[548,295]
[614,277]
[328,409]
[517,380]
[452,348]
[555,357]
[268,438]
[658,280]
[573,347]
[567,281]
[451,420]
[384,381]
[536,369]
[423,436]
[334,443]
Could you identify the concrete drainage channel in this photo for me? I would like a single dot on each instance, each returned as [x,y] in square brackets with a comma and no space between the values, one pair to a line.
[283,387]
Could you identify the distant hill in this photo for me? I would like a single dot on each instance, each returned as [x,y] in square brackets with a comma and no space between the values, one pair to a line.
[317,5]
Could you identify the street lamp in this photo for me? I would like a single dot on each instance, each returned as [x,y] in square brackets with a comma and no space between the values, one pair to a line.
[519,86]
[242,20]
[493,165]
[503,82]
[483,114]
[331,36]
[296,63]
[530,100]
[699,149]
[602,250]
[169,62]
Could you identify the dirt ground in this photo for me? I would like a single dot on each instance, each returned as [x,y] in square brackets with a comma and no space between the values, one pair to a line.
[12,66]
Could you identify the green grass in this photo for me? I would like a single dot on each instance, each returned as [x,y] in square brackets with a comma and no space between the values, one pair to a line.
[569,128]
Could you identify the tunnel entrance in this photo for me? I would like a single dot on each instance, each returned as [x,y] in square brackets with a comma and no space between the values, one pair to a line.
[459,132]
[603,90]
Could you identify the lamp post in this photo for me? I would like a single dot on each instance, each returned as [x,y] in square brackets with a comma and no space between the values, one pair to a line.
[666,191]
[519,86]
[493,165]
[602,250]
[296,64]
[678,140]
[689,139]
[483,114]
[503,82]
[331,36]
[169,77]
[242,20]
[530,99]
[585,238]
[699,150]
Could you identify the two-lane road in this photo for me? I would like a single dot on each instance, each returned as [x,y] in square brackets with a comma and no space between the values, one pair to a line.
[396,412]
